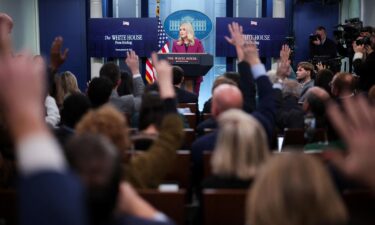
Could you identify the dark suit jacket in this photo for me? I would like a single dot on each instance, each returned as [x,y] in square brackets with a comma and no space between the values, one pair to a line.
[50,197]
[289,113]
[328,50]
[129,103]
[184,96]
[366,72]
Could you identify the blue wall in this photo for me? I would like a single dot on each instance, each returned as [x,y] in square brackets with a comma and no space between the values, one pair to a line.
[307,17]
[66,18]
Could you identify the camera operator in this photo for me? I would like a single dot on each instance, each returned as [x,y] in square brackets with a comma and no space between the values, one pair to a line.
[321,46]
[364,61]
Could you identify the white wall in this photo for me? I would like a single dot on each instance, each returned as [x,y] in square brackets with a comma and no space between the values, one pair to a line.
[368,15]
[26,29]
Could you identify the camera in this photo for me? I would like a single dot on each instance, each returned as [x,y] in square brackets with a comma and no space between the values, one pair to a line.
[348,32]
[314,37]
[363,41]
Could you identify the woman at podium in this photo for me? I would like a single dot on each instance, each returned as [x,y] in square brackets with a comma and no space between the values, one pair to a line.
[187,43]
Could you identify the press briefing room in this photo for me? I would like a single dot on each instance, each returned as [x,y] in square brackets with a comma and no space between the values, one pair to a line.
[175,112]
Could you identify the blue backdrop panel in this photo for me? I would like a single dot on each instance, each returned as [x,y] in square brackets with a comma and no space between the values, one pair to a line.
[68,19]
[268,33]
[113,37]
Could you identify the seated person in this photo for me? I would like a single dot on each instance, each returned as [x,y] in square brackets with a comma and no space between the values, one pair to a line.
[66,84]
[223,79]
[148,169]
[126,103]
[150,118]
[74,107]
[99,91]
[183,96]
[294,189]
[290,113]
[305,72]
[109,200]
[126,86]
[241,149]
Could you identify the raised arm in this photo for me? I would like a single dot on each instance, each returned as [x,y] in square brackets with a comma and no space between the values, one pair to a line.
[132,61]
[266,109]
[41,163]
[151,167]
[247,84]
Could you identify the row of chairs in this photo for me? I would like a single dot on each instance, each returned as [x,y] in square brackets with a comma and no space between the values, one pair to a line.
[219,207]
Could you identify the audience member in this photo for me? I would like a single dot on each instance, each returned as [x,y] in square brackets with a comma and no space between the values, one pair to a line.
[75,106]
[343,86]
[266,110]
[148,169]
[66,84]
[126,103]
[126,86]
[99,91]
[305,72]
[241,149]
[224,97]
[108,200]
[183,96]
[218,81]
[324,80]
[108,121]
[48,193]
[52,112]
[290,113]
[294,189]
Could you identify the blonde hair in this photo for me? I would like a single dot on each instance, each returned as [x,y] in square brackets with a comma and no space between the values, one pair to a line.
[66,84]
[241,146]
[107,121]
[294,189]
[190,33]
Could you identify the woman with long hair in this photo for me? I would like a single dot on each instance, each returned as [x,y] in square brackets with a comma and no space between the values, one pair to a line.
[188,43]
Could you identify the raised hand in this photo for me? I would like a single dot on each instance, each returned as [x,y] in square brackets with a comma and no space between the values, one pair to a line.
[285,53]
[22,92]
[165,77]
[6,25]
[132,62]
[236,38]
[357,128]
[57,57]
[251,54]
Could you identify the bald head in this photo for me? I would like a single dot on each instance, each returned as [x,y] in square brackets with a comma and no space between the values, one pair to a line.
[343,83]
[316,98]
[226,97]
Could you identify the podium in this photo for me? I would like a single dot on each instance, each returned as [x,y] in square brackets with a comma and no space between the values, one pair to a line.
[193,64]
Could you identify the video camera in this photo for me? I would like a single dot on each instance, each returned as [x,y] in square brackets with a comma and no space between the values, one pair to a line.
[314,37]
[349,31]
[363,41]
